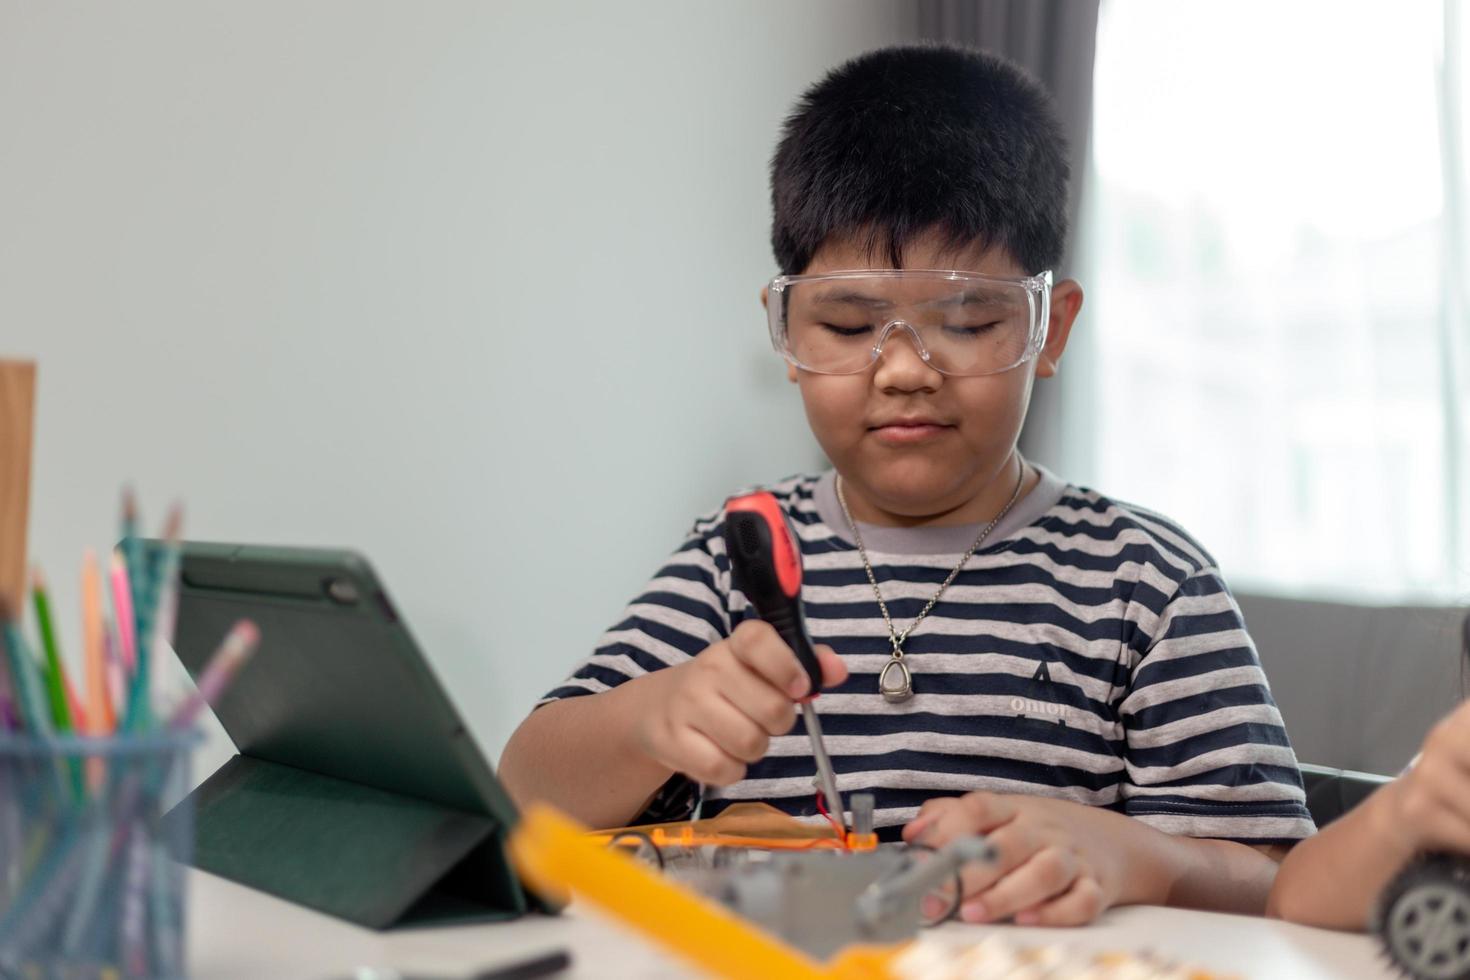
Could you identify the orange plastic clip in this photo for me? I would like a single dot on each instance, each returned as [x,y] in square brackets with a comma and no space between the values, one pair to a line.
[557,856]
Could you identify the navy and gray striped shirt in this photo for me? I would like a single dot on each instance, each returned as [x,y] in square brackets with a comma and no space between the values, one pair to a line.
[1089,651]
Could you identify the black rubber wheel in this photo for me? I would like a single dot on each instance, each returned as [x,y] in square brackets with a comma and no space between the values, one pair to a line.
[1423,918]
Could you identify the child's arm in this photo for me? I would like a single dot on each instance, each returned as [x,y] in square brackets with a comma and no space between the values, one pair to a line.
[602,757]
[1334,878]
[1062,863]
[582,755]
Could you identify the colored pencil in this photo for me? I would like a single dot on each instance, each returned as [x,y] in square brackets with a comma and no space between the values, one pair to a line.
[122,613]
[234,651]
[132,548]
[117,685]
[78,712]
[27,678]
[100,720]
[139,710]
[65,708]
[167,604]
[100,717]
[96,864]
[132,936]
[55,672]
[73,703]
[165,913]
[135,787]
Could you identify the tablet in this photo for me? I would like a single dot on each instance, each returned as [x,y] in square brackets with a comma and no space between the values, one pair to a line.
[338,686]
[357,790]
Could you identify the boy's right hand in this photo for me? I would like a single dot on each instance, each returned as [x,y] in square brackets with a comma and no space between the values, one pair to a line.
[1429,806]
[712,716]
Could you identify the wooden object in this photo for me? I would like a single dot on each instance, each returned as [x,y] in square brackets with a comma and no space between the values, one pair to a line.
[17,415]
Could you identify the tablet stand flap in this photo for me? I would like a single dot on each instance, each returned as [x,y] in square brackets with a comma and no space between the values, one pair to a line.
[363,854]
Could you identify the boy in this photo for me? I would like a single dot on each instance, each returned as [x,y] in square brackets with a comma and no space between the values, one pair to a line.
[1005,653]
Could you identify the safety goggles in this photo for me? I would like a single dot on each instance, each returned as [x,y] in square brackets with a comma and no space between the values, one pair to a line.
[961,323]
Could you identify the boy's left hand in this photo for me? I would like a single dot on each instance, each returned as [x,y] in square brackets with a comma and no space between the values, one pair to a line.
[1056,864]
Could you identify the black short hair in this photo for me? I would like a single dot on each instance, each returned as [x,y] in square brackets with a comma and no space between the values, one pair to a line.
[906,140]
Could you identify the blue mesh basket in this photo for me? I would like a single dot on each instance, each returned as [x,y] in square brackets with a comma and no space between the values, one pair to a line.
[91,875]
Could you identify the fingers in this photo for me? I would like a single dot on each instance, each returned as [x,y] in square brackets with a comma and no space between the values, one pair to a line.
[735,732]
[1049,864]
[1077,906]
[1043,875]
[834,671]
[947,818]
[701,759]
[719,711]
[1431,810]
[1034,874]
[940,812]
[1434,797]
[1014,845]
[759,648]
[767,706]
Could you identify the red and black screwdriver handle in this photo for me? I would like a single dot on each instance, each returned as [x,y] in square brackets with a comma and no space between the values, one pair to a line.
[765,564]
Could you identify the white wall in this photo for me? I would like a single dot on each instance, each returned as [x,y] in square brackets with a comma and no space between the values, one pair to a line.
[472,287]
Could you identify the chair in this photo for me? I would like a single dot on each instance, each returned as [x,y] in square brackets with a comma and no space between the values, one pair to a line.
[1359,686]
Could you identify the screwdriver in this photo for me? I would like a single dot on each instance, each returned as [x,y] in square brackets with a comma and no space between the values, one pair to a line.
[765,564]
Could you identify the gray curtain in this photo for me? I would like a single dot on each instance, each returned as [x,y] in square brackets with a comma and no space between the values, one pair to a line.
[1055,41]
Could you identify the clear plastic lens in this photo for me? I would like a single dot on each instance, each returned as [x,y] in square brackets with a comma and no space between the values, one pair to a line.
[960,324]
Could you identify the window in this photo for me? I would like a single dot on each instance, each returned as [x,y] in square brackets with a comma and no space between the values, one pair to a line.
[1276,262]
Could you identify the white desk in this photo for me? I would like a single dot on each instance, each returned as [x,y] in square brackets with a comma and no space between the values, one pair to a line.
[240,934]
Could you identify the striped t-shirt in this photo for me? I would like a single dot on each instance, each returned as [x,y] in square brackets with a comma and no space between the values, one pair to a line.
[1089,651]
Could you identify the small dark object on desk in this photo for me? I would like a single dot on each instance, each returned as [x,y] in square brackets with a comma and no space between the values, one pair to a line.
[543,965]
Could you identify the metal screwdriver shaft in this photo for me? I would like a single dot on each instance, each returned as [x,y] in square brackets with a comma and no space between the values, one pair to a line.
[826,777]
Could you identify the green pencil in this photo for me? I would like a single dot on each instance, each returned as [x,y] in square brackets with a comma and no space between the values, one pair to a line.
[55,676]
[56,683]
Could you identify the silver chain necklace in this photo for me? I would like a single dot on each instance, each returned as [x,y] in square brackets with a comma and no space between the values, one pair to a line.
[895,683]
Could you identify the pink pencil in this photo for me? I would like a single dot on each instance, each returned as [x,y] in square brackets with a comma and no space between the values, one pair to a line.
[234,651]
[122,612]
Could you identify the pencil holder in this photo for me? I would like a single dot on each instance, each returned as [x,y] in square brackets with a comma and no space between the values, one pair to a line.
[90,879]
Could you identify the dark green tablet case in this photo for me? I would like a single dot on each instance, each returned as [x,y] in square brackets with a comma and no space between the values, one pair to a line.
[366,855]
[357,791]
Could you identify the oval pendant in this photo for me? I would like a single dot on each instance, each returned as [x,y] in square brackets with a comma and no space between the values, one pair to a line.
[896,683]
